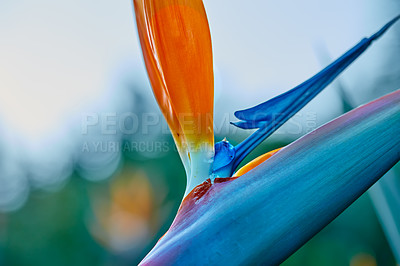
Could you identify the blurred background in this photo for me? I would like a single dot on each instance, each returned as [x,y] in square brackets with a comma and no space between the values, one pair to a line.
[89,174]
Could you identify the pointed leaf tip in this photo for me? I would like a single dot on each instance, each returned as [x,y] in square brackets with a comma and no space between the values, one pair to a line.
[272,114]
[384,28]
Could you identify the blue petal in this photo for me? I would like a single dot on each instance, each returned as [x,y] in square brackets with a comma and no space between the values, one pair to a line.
[224,153]
[270,115]
[292,101]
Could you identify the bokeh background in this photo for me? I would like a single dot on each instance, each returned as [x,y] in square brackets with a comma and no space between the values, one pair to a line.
[89,174]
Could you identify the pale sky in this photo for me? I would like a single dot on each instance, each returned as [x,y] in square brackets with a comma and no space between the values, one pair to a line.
[57,58]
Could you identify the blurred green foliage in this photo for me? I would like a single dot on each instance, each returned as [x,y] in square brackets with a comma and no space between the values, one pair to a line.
[57,228]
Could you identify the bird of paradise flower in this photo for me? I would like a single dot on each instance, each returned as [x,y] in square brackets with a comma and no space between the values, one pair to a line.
[266,210]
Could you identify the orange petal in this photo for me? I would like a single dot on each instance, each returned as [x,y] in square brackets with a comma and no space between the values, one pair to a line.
[254,163]
[176,45]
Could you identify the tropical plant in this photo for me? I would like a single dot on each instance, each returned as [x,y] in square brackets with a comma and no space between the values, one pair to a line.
[269,208]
